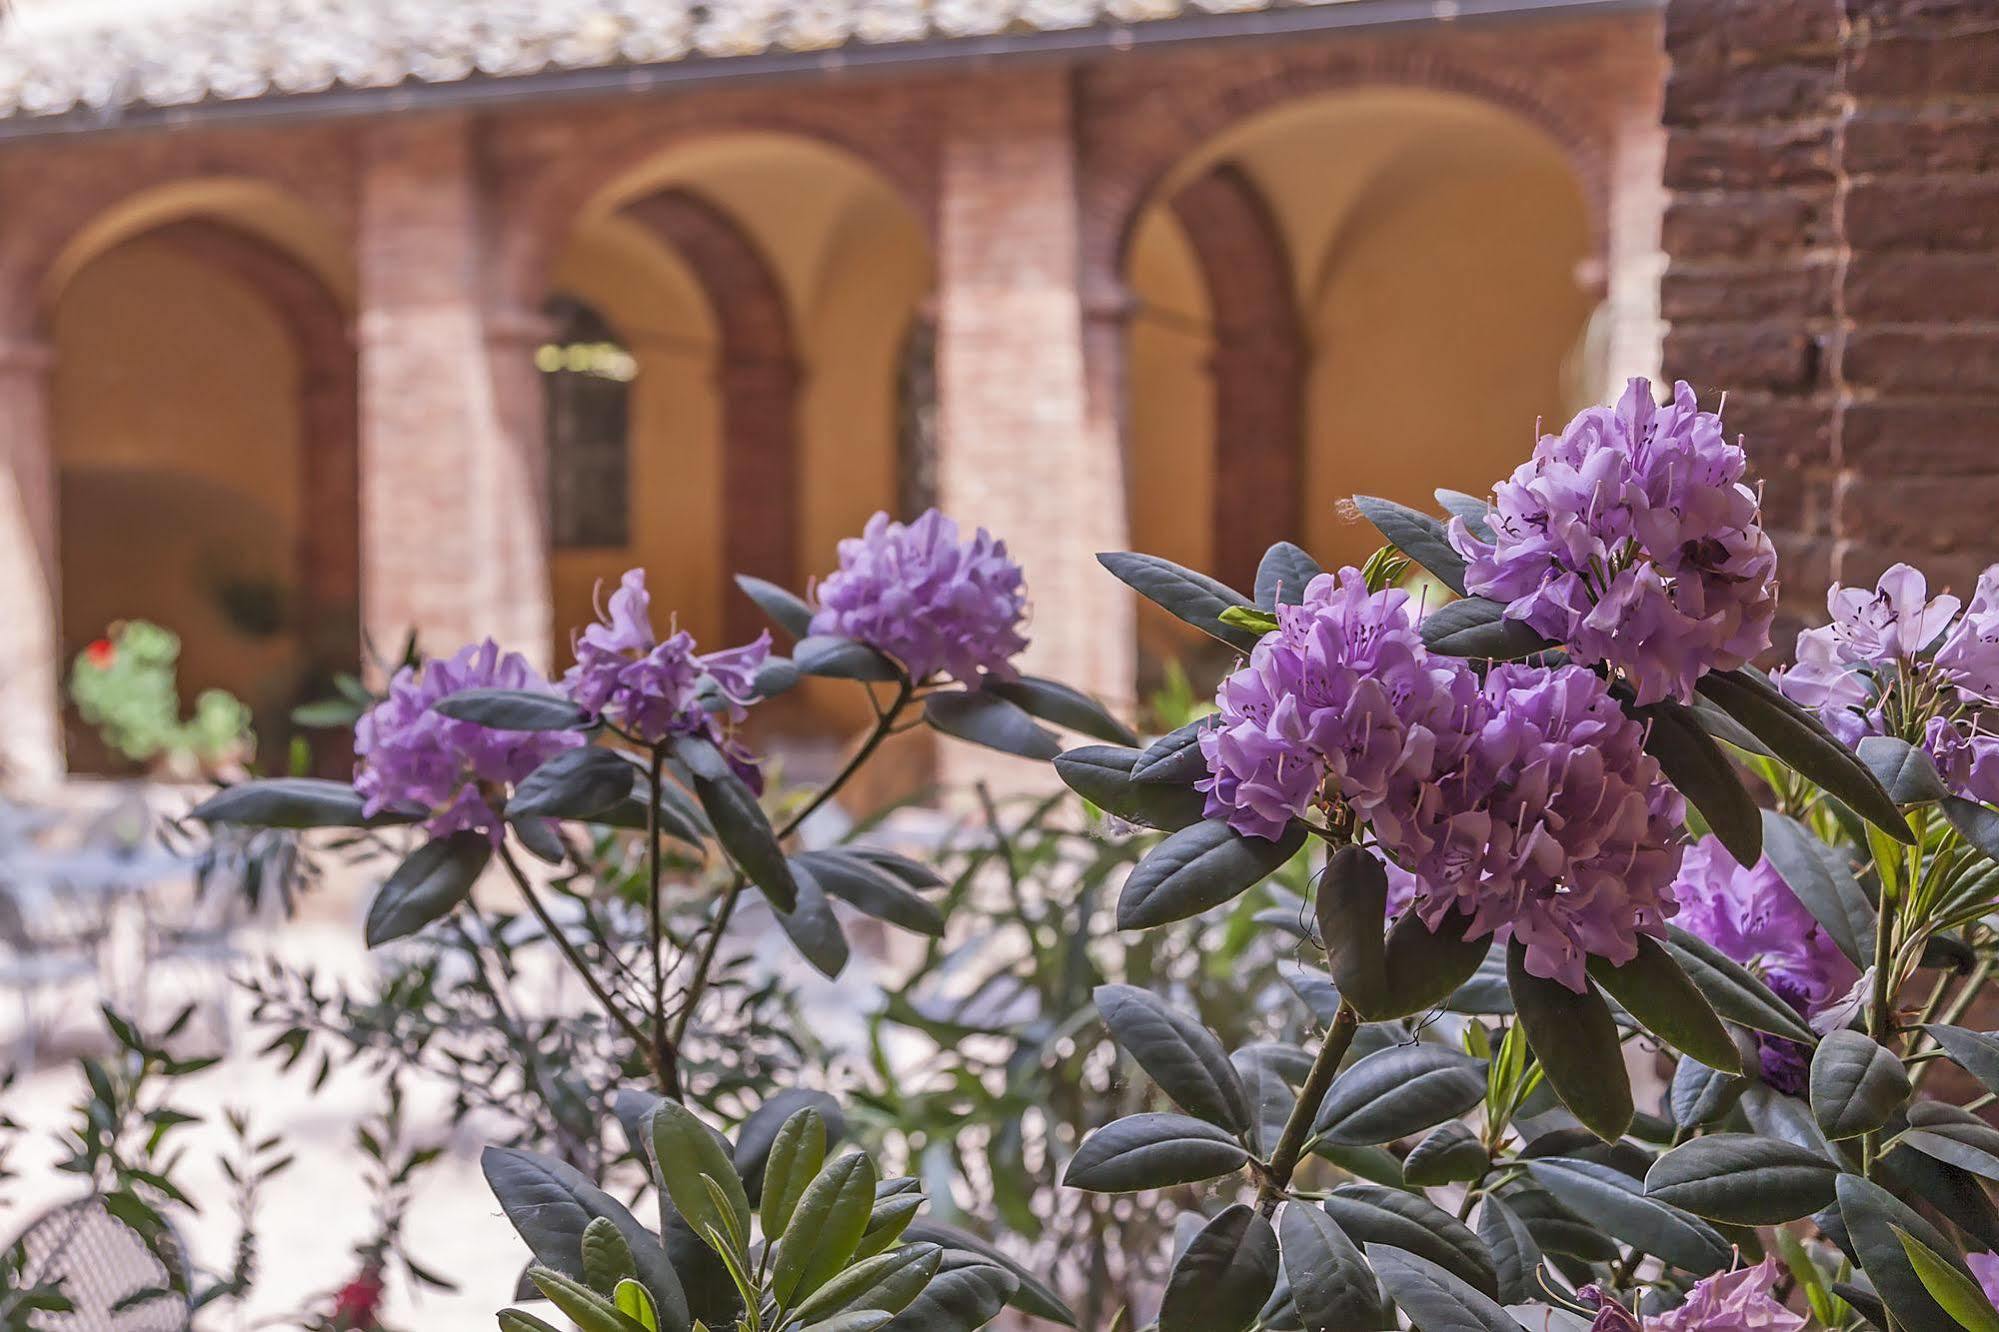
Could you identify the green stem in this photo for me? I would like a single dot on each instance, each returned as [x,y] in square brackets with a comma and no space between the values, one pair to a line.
[1291,1144]
[665,1053]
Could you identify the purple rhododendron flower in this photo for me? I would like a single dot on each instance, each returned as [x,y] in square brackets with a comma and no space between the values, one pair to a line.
[1985,1266]
[1753,917]
[930,601]
[1969,656]
[409,757]
[1631,539]
[1738,1301]
[1335,706]
[655,690]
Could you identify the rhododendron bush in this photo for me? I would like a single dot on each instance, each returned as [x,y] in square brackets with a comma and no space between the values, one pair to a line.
[1642,983]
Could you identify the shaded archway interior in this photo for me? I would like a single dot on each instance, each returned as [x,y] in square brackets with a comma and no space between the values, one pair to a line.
[766,286]
[1373,291]
[205,409]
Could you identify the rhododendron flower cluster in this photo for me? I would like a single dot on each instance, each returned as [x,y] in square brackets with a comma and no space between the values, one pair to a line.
[932,602]
[1740,1301]
[655,689]
[1632,540]
[1527,801]
[1897,661]
[1753,917]
[411,758]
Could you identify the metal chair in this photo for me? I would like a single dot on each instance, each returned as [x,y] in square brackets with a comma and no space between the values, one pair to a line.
[41,949]
[101,1263]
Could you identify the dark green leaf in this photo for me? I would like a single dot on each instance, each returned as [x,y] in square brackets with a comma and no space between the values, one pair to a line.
[1434,1299]
[778,675]
[825,1228]
[1152,1151]
[1180,1054]
[1450,1154]
[1372,1214]
[1352,904]
[1654,989]
[512,710]
[1694,763]
[576,784]
[1977,824]
[1957,1137]
[1417,535]
[684,1150]
[739,822]
[1515,1253]
[1699,1095]
[1743,1179]
[787,610]
[1193,597]
[1611,1199]
[1282,574]
[1101,774]
[290,802]
[1427,967]
[812,927]
[1399,1091]
[1856,1085]
[862,885]
[835,658]
[1575,1038]
[1975,1052]
[1175,757]
[757,1142]
[1907,773]
[1222,1280]
[1479,629]
[1059,705]
[1733,991]
[1872,1216]
[888,1282]
[1331,1286]
[1557,1229]
[984,718]
[1197,868]
[1818,876]
[958,1300]
[1474,509]
[436,877]
[542,838]
[1033,1295]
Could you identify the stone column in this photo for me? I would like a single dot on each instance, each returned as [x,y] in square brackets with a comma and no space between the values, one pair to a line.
[1030,384]
[31,665]
[453,536]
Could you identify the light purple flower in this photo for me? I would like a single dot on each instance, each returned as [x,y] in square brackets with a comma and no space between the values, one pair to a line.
[1969,657]
[1631,539]
[411,758]
[1967,756]
[1753,917]
[1740,1301]
[930,601]
[655,689]
[1985,1266]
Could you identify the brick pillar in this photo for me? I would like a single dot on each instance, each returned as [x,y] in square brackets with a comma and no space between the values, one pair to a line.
[1029,369]
[453,519]
[31,664]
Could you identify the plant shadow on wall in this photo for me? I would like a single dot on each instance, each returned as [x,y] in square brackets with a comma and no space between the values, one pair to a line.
[1500,847]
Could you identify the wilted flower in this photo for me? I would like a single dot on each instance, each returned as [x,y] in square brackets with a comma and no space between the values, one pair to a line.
[1332,705]
[918,594]
[1738,1301]
[1631,539]
[655,690]
[410,757]
[1753,917]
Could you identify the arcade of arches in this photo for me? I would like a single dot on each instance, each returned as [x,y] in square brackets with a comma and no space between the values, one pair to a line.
[290,391]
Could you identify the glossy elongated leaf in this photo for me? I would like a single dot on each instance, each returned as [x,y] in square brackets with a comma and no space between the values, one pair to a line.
[1958,1294]
[1174,757]
[290,802]
[778,675]
[575,784]
[785,608]
[812,927]
[957,1300]
[1654,989]
[1101,774]
[835,658]
[435,878]
[1152,1151]
[1479,629]
[1872,1217]
[1223,1278]
[1973,1051]
[1694,763]
[1818,877]
[1557,1229]
[550,1203]
[1059,705]
[791,1162]
[866,887]
[1425,966]
[1434,1299]
[1801,740]
[1313,987]
[1198,868]
[1270,1096]
[1193,597]
[1474,509]
[1417,535]
[678,816]
[1856,1085]
[684,1151]
[1743,1179]
[1732,991]
[1958,1137]
[984,718]
[1332,1288]
[1611,1199]
[1957,1196]
[584,1307]
[1516,1256]
[1352,907]
[1181,1055]
[512,710]
[825,1229]
[739,822]
[859,1320]
[1372,1214]
[1977,824]
[1908,774]
[1399,1091]
[1031,1295]
[1700,1095]
[1575,1039]
[889,1282]
[607,1259]
[1449,1154]
[1282,574]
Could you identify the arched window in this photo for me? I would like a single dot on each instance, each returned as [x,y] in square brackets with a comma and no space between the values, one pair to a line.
[586,376]
[916,417]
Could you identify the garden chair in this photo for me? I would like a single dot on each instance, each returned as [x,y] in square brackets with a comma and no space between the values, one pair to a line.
[46,942]
[101,1264]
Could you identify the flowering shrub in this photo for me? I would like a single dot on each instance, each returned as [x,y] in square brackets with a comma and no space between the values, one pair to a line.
[1532,860]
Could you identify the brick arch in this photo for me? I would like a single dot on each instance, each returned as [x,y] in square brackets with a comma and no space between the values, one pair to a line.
[1258,362]
[757,377]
